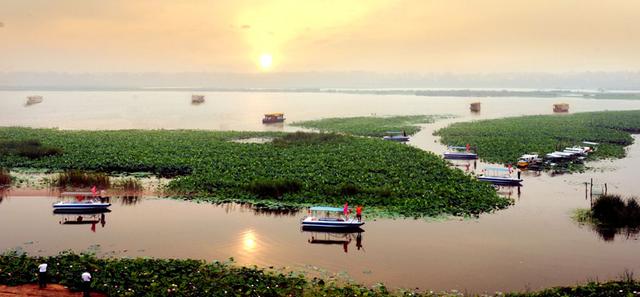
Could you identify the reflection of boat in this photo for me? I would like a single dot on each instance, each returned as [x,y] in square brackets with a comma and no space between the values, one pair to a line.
[335,237]
[460,153]
[315,221]
[276,117]
[84,219]
[499,176]
[400,136]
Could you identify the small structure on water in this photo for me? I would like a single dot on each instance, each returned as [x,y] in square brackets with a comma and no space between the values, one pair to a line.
[270,118]
[527,160]
[31,100]
[197,99]
[86,202]
[561,107]
[475,107]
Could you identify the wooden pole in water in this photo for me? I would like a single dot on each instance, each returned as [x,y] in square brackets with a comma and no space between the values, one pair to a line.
[591,192]
[586,191]
[605,188]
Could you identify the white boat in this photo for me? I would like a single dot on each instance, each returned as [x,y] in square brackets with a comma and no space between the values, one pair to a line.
[499,176]
[396,136]
[326,221]
[84,205]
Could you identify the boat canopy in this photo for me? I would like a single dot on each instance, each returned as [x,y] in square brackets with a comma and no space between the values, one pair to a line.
[393,132]
[497,169]
[590,142]
[326,208]
[76,194]
[458,147]
[274,114]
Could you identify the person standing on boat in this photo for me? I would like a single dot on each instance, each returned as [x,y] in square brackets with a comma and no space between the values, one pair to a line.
[345,210]
[86,284]
[359,213]
[42,275]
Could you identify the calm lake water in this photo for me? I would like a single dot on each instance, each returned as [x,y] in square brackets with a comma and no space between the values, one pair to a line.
[532,244]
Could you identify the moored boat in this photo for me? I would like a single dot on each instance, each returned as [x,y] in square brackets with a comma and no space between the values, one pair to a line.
[396,136]
[326,221]
[460,153]
[276,117]
[499,176]
[91,205]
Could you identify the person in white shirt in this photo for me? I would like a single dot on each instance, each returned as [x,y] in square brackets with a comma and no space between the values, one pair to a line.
[86,283]
[42,275]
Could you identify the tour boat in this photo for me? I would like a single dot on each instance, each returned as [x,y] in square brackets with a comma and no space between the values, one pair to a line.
[84,205]
[338,221]
[276,117]
[528,159]
[499,176]
[456,153]
[396,136]
[34,100]
[197,99]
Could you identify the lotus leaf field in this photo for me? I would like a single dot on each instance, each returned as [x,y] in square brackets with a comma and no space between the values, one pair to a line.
[504,140]
[173,277]
[296,169]
[372,126]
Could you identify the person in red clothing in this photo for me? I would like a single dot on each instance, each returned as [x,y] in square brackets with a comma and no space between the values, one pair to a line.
[359,213]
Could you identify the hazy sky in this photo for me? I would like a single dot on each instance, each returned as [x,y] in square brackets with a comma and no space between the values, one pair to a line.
[331,35]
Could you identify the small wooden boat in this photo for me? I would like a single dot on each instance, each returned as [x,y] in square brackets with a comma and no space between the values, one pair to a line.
[197,99]
[34,100]
[499,176]
[326,221]
[396,136]
[270,118]
[561,107]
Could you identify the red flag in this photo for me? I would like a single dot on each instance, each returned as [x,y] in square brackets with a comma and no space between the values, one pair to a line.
[468,147]
[346,209]
[94,190]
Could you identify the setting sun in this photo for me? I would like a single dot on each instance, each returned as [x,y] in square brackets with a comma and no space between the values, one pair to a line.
[265,61]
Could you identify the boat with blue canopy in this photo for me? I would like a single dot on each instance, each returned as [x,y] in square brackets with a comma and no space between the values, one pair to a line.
[326,217]
[499,176]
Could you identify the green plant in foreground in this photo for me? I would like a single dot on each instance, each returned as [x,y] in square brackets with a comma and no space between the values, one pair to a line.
[172,277]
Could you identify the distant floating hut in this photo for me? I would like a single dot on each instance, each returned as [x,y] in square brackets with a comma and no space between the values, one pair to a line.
[34,100]
[475,107]
[197,99]
[561,107]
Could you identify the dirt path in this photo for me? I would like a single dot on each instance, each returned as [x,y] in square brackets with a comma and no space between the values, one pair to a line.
[33,290]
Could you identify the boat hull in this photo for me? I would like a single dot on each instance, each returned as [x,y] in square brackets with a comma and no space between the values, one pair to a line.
[396,138]
[81,207]
[460,156]
[500,180]
[266,121]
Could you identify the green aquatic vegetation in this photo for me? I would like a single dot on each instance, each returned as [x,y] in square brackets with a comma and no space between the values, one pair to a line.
[5,177]
[611,215]
[504,140]
[80,179]
[303,168]
[128,184]
[372,126]
[186,277]
[29,148]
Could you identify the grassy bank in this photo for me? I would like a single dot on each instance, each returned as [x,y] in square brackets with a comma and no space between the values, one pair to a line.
[373,126]
[504,140]
[293,170]
[169,277]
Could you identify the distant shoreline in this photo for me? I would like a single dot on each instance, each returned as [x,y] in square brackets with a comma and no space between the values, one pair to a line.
[453,92]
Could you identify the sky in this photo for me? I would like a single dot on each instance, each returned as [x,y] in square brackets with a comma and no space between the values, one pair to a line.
[382,36]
